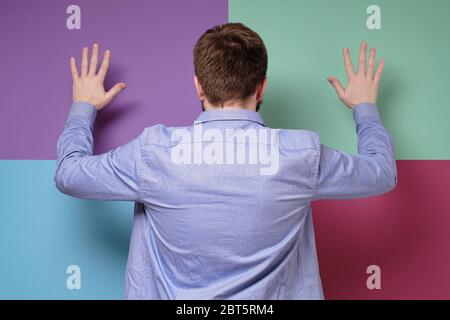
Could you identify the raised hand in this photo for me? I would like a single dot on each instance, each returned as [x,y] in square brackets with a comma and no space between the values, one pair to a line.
[89,86]
[362,86]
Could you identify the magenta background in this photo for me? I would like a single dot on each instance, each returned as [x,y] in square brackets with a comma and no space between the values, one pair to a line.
[405,232]
[151,44]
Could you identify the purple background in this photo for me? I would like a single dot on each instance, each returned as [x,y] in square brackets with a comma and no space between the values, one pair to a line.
[151,44]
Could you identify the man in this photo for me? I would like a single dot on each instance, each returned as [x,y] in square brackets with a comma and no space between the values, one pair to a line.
[223,206]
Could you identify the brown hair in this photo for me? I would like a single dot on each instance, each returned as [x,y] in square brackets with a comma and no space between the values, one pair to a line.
[230,61]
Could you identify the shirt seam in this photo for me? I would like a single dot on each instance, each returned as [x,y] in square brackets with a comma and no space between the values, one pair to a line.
[140,170]
[316,173]
[240,143]
[233,119]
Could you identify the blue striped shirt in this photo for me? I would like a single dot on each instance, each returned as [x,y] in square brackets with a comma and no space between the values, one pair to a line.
[223,207]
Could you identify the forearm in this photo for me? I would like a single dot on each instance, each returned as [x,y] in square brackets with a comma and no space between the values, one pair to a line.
[113,175]
[75,142]
[375,146]
[372,171]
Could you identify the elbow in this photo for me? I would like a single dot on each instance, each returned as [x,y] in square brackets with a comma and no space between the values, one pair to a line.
[383,176]
[68,181]
[388,179]
[61,183]
[391,183]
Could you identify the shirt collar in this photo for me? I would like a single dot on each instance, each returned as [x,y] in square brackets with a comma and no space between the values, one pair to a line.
[229,115]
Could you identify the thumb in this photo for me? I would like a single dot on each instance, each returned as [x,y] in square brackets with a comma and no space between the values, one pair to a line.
[337,86]
[118,87]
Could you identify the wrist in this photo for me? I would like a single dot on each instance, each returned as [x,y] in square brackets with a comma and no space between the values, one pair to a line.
[82,100]
[365,109]
[369,101]
[84,109]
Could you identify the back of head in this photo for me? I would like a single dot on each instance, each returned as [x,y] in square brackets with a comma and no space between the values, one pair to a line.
[230,61]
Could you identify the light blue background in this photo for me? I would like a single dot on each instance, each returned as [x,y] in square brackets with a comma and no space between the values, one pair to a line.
[43,231]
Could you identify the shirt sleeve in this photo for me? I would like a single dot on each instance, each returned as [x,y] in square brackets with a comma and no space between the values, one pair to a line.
[372,171]
[113,175]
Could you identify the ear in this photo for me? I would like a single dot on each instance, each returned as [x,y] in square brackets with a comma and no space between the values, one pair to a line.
[198,88]
[261,89]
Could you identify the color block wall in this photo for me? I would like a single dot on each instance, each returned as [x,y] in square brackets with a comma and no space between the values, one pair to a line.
[42,231]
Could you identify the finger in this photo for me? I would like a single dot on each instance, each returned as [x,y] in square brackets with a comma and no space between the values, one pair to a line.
[348,64]
[371,63]
[377,76]
[84,62]
[337,86]
[94,60]
[73,69]
[362,58]
[105,65]
[118,87]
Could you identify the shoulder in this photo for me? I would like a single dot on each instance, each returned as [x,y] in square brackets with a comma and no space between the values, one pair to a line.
[160,135]
[299,139]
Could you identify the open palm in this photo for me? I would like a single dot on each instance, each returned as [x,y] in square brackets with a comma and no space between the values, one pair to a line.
[89,86]
[363,85]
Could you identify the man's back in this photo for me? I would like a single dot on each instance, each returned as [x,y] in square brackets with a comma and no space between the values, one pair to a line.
[224,229]
[208,227]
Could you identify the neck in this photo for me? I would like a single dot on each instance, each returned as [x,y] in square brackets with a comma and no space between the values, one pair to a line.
[251,105]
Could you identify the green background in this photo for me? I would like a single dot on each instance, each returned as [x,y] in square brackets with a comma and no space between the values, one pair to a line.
[305,38]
